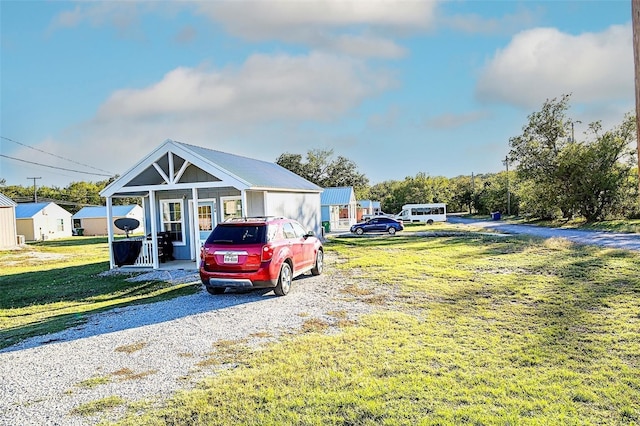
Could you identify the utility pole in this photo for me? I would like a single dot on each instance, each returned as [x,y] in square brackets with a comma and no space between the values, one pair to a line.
[35,188]
[506,162]
[473,191]
[635,12]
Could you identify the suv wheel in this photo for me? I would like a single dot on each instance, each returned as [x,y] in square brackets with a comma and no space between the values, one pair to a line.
[391,230]
[359,231]
[284,281]
[317,269]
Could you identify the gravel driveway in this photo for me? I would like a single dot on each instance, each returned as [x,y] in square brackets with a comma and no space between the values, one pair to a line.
[599,238]
[150,351]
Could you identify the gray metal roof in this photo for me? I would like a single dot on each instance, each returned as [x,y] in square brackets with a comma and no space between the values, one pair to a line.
[338,196]
[6,201]
[101,212]
[258,173]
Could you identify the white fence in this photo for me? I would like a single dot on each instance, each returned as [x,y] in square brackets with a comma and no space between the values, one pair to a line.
[145,258]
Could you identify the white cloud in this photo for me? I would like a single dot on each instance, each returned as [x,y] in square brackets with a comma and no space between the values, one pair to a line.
[360,28]
[477,24]
[311,87]
[545,63]
[252,110]
[269,18]
[121,15]
[357,27]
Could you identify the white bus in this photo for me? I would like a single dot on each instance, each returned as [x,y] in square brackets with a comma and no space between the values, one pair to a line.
[433,212]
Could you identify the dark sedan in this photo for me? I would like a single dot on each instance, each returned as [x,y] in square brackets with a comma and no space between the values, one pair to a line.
[378,224]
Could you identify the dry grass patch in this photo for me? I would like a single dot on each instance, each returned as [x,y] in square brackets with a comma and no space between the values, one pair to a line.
[226,352]
[314,325]
[128,374]
[261,335]
[134,347]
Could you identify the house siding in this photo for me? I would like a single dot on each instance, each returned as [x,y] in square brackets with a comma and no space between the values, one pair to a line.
[8,233]
[303,207]
[93,220]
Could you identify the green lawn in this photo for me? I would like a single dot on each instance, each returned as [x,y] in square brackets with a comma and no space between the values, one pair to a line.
[468,329]
[618,225]
[52,285]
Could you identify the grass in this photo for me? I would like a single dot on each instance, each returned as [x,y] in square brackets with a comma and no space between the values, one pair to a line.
[473,330]
[614,225]
[53,285]
[95,407]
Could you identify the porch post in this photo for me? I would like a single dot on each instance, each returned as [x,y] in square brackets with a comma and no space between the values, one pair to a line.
[243,194]
[110,233]
[195,239]
[154,228]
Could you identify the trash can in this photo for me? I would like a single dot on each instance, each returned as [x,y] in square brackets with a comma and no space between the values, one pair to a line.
[80,232]
[496,216]
[327,226]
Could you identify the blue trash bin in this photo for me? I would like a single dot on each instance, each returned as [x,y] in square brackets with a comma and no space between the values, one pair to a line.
[496,216]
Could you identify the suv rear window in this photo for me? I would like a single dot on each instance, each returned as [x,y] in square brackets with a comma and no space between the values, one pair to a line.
[238,234]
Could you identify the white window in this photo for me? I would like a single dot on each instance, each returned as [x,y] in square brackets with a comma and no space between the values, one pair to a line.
[173,220]
[231,207]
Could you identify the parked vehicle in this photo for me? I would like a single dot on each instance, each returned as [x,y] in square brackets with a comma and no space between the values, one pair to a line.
[259,252]
[379,213]
[378,224]
[429,213]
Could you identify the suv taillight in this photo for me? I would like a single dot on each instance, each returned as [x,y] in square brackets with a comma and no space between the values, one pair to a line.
[267,253]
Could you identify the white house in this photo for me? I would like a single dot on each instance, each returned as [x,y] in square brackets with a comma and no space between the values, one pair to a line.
[8,232]
[339,207]
[368,207]
[93,220]
[186,190]
[42,221]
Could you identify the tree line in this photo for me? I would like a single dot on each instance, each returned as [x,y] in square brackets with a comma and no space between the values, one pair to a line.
[553,174]
[548,174]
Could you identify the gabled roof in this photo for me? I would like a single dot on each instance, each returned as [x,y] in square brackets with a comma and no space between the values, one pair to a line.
[167,165]
[257,173]
[101,211]
[336,196]
[29,210]
[6,201]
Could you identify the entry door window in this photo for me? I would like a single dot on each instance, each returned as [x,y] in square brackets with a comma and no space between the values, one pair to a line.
[231,207]
[205,218]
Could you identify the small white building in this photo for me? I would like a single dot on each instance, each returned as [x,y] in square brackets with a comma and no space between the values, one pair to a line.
[8,232]
[368,207]
[42,221]
[339,207]
[185,190]
[93,220]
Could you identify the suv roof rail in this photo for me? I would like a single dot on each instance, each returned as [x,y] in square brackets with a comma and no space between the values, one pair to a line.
[253,218]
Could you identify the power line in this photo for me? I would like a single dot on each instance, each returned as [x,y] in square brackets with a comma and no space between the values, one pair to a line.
[54,167]
[57,156]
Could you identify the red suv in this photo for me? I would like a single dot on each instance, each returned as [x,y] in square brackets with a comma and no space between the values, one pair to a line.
[258,252]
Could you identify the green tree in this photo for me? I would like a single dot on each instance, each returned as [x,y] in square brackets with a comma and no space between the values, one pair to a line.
[324,170]
[536,153]
[596,171]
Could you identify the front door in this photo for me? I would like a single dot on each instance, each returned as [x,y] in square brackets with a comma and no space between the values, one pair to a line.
[206,219]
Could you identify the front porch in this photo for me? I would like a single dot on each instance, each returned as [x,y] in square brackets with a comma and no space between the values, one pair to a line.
[171,265]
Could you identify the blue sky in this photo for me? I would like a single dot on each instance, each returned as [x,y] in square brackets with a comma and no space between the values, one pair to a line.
[398,87]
